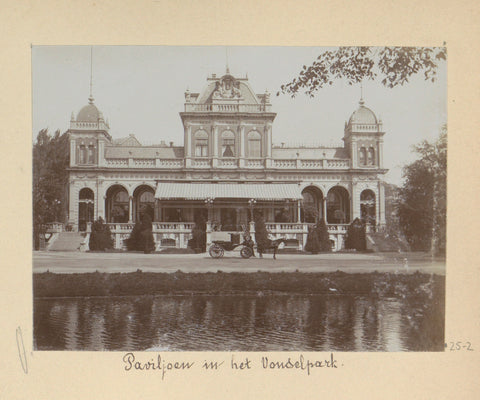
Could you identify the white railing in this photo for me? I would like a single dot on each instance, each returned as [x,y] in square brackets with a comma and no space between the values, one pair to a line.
[311,164]
[144,162]
[172,226]
[284,163]
[117,162]
[235,107]
[365,127]
[230,163]
[339,228]
[254,163]
[169,163]
[201,162]
[227,163]
[177,234]
[156,226]
[89,125]
[278,227]
[336,164]
[116,228]
[317,164]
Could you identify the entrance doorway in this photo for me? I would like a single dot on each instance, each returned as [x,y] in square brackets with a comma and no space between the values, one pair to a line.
[85,208]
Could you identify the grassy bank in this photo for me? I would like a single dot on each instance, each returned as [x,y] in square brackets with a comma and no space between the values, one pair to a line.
[139,283]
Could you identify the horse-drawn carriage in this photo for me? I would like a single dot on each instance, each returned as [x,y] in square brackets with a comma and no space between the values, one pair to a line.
[224,241]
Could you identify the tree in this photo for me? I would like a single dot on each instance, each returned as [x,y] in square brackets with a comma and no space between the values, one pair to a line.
[101,236]
[356,237]
[50,159]
[261,233]
[141,237]
[318,238]
[422,208]
[199,235]
[395,65]
[323,236]
[313,244]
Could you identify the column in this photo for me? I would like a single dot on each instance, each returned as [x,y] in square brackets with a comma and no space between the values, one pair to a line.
[381,204]
[188,145]
[299,206]
[354,153]
[324,209]
[155,211]
[355,202]
[101,153]
[73,155]
[130,209]
[268,141]
[380,153]
[215,146]
[73,206]
[242,145]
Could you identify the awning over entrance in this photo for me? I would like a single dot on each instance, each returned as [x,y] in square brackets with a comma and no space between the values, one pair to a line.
[203,191]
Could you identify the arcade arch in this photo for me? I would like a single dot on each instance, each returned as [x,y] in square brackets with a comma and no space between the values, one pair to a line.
[312,209]
[143,202]
[117,204]
[338,206]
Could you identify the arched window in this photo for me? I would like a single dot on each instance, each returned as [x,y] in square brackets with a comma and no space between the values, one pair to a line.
[228,144]
[312,208]
[118,204]
[254,149]
[363,156]
[338,206]
[201,144]
[371,156]
[143,203]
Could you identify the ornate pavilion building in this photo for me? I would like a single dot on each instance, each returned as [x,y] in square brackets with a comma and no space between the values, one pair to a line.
[226,168]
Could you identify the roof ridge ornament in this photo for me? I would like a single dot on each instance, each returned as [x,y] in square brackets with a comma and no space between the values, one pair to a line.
[90,98]
[361,102]
[226,56]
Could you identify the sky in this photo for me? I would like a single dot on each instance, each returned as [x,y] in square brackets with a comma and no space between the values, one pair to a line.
[140,90]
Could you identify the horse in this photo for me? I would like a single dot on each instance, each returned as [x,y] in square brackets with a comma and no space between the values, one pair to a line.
[271,244]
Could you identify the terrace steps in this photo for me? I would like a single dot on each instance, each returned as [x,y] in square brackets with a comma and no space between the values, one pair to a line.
[67,241]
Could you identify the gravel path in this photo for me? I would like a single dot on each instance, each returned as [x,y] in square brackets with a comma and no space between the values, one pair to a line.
[76,262]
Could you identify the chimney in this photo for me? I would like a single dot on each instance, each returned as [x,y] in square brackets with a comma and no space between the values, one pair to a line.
[171,144]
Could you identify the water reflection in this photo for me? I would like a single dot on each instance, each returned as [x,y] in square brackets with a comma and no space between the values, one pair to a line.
[240,323]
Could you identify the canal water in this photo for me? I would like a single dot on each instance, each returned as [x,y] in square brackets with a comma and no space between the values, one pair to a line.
[336,322]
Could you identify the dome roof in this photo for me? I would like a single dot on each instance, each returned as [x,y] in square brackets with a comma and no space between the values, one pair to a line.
[89,113]
[363,115]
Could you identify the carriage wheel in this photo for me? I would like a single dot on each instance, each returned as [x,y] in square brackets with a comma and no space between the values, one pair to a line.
[215,251]
[246,252]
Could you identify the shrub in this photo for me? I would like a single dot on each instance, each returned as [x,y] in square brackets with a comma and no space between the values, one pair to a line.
[141,237]
[323,236]
[261,234]
[199,235]
[356,238]
[101,236]
[313,244]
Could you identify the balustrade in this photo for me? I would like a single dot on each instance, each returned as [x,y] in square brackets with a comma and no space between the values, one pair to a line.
[226,107]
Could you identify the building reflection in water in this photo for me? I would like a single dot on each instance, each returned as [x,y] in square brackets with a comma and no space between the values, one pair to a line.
[240,323]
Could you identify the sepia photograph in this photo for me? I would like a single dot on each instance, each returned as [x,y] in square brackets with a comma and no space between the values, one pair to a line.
[239,198]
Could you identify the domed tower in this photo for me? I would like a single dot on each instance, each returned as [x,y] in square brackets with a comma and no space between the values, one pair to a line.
[363,137]
[88,134]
